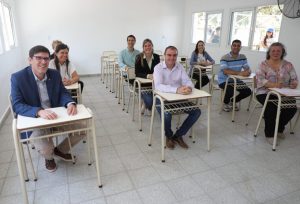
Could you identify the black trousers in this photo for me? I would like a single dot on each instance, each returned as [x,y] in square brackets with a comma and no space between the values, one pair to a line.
[204,80]
[243,92]
[271,112]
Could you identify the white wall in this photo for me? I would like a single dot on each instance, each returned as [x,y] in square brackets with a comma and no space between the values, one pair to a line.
[90,27]
[289,34]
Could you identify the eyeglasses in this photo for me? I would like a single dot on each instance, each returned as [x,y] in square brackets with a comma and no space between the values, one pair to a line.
[39,58]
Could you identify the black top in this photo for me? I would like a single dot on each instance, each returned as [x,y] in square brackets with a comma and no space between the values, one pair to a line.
[142,71]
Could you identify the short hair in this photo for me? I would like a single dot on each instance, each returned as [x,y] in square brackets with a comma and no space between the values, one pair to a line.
[131,36]
[61,47]
[236,41]
[275,44]
[37,49]
[171,47]
[55,43]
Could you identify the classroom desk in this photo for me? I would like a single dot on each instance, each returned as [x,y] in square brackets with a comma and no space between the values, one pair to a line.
[178,103]
[24,124]
[249,80]
[283,96]
[201,68]
[140,81]
[76,87]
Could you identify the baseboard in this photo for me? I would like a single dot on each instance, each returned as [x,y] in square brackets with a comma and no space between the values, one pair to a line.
[89,75]
[4,116]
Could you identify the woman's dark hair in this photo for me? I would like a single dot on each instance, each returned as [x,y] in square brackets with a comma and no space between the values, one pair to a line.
[276,44]
[56,61]
[196,48]
[265,39]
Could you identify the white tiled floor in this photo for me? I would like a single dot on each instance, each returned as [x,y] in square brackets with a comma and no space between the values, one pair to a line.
[238,169]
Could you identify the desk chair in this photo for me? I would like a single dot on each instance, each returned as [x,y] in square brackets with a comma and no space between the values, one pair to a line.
[213,84]
[14,115]
[125,78]
[103,64]
[184,61]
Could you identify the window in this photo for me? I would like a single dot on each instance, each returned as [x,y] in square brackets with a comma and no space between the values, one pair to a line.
[207,27]
[7,36]
[251,25]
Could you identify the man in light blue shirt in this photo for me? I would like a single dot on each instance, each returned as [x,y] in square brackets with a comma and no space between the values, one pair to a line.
[170,76]
[128,55]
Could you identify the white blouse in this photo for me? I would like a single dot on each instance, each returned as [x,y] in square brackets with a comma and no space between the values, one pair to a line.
[64,73]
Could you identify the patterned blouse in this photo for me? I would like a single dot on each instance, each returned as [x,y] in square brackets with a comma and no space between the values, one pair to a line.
[265,73]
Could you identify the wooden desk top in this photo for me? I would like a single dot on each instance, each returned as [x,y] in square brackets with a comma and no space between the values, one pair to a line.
[72,86]
[287,92]
[143,80]
[24,123]
[203,67]
[251,76]
[177,97]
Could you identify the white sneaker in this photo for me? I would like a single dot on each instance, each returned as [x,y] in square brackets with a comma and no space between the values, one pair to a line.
[270,140]
[227,107]
[236,107]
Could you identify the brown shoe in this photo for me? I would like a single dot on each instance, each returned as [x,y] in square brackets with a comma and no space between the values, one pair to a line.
[180,142]
[66,157]
[50,165]
[170,143]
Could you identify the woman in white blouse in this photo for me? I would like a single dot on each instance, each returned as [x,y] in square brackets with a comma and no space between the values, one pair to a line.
[62,64]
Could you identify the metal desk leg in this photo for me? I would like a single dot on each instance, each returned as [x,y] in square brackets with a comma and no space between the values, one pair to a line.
[277,122]
[19,162]
[96,153]
[262,114]
[234,99]
[152,119]
[208,122]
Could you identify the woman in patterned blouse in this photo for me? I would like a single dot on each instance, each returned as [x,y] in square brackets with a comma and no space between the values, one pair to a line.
[275,72]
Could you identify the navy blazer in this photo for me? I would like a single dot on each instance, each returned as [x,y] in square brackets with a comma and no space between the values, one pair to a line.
[25,95]
[142,71]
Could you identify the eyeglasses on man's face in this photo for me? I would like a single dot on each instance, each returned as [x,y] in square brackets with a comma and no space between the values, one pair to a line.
[40,58]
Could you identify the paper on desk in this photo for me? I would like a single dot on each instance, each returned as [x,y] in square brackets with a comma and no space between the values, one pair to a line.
[287,91]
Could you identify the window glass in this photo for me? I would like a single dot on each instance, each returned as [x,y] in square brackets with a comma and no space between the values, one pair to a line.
[7,28]
[241,26]
[268,18]
[198,26]
[213,31]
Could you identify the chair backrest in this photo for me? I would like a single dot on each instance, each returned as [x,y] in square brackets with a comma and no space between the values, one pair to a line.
[216,69]
[131,73]
[14,115]
[108,53]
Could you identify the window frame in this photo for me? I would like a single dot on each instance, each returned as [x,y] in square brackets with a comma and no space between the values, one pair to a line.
[12,25]
[252,25]
[205,27]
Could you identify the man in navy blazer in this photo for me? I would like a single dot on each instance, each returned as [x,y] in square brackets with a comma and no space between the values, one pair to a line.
[33,90]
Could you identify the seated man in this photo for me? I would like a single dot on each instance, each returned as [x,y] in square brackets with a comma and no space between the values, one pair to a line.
[234,63]
[127,56]
[33,90]
[170,76]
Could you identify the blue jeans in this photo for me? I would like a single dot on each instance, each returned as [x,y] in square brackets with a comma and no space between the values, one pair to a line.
[148,99]
[193,116]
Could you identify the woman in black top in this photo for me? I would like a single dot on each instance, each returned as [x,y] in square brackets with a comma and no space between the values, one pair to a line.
[144,67]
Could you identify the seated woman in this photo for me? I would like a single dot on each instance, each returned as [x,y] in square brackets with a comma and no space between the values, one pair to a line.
[54,44]
[64,66]
[200,57]
[144,67]
[275,72]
